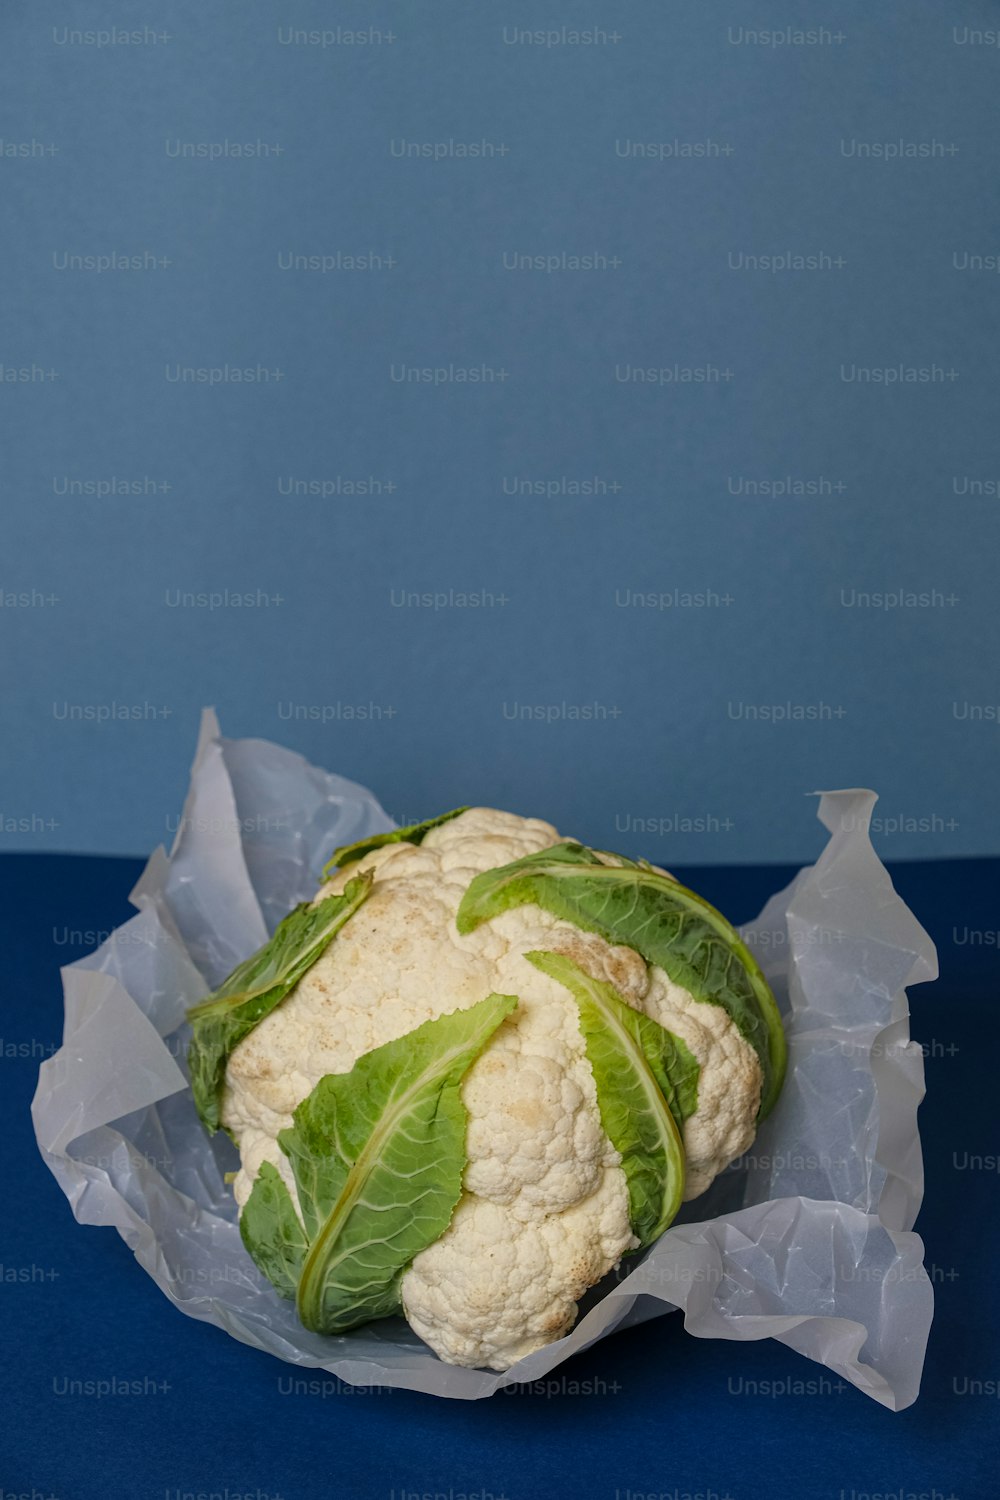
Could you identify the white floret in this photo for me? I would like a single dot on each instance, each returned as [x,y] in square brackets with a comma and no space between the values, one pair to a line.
[527,1277]
[544,1213]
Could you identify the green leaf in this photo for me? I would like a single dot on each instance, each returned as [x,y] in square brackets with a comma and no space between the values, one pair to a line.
[259,984]
[647,1085]
[272,1232]
[662,920]
[378,1156]
[412,834]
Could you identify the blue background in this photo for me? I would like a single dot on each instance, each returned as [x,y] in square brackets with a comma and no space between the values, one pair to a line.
[672,766]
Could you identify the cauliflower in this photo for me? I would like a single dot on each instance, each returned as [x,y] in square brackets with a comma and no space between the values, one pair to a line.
[544,1206]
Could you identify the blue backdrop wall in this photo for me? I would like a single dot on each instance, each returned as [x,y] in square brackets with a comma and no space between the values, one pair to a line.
[586,410]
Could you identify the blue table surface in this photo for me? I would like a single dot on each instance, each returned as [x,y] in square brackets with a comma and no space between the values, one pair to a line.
[654,1412]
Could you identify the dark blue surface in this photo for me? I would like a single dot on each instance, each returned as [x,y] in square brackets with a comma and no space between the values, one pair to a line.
[657,1413]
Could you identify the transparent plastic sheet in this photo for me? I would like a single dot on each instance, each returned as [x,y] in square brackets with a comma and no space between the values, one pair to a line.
[808,1239]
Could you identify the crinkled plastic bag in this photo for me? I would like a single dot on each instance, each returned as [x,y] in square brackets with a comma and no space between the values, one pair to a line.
[807,1239]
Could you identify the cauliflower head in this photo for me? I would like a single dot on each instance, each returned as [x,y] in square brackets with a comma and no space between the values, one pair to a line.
[544,1211]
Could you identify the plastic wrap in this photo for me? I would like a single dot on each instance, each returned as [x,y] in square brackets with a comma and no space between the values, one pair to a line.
[808,1239]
